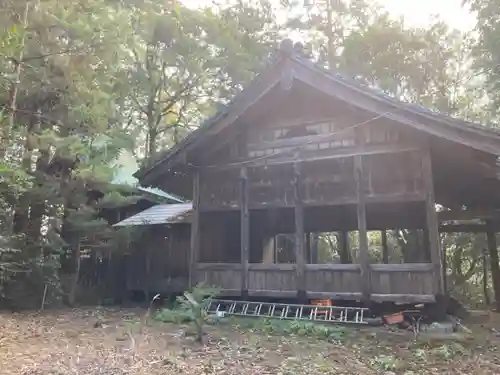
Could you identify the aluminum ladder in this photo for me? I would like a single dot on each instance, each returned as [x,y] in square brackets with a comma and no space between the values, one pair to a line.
[324,314]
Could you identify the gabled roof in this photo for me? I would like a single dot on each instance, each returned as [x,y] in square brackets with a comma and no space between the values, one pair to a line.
[288,64]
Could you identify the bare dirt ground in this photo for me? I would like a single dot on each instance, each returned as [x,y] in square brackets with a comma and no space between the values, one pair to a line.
[118,342]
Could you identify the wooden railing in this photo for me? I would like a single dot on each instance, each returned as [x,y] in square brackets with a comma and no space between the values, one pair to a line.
[410,282]
[226,276]
[333,280]
[272,280]
[402,282]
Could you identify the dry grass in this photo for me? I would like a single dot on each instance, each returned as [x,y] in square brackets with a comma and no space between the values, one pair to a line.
[116,342]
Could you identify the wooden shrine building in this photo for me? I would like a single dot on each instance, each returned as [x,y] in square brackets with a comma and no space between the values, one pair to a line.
[303,150]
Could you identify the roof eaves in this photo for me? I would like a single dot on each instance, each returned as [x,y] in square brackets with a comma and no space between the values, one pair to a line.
[161,194]
[158,215]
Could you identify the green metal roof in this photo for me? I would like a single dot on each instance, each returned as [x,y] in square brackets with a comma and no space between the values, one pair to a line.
[125,165]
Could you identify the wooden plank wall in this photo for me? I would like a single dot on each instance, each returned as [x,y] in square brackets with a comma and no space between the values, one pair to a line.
[161,263]
[402,282]
[279,280]
[359,180]
[391,282]
[225,276]
[340,280]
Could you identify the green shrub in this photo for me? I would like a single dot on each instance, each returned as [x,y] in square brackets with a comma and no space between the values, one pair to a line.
[191,309]
[176,316]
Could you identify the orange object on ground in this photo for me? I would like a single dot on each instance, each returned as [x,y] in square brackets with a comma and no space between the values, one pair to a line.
[322,302]
[394,318]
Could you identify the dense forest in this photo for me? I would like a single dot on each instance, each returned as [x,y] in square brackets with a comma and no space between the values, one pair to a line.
[83,81]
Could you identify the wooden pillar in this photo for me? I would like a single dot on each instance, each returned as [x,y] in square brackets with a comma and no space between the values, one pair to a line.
[385,249]
[345,252]
[195,229]
[245,229]
[363,235]
[308,247]
[299,234]
[432,222]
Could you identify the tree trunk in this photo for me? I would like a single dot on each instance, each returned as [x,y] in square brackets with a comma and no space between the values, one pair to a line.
[487,300]
[314,248]
[330,36]
[22,211]
[75,275]
[495,268]
[38,205]
[152,136]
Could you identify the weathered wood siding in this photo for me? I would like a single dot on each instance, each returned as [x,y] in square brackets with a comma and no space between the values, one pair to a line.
[388,177]
[272,279]
[412,281]
[388,282]
[225,276]
[343,280]
[268,187]
[160,263]
[219,189]
[393,174]
[329,181]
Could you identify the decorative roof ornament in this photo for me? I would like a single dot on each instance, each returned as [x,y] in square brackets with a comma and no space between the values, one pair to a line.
[298,48]
[287,47]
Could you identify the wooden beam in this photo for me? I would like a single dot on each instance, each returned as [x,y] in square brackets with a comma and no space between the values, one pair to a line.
[335,267]
[308,247]
[468,214]
[273,293]
[299,232]
[312,140]
[402,267]
[385,248]
[464,228]
[277,267]
[195,229]
[363,236]
[335,295]
[327,154]
[245,229]
[218,266]
[404,298]
[432,221]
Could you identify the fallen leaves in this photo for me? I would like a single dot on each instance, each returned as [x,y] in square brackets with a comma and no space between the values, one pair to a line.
[67,342]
